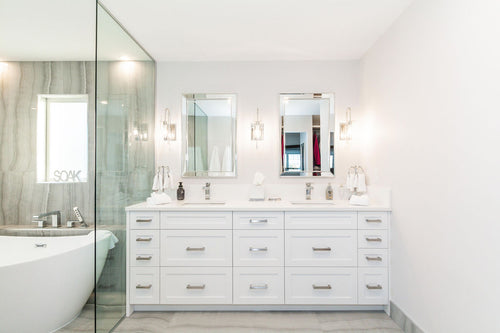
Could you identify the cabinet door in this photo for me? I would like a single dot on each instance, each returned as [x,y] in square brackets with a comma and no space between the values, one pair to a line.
[320,248]
[144,220]
[373,286]
[258,285]
[144,285]
[196,285]
[258,220]
[373,220]
[368,239]
[321,220]
[320,285]
[258,247]
[196,248]
[197,220]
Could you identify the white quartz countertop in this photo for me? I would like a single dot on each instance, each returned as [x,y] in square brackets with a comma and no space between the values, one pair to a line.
[335,205]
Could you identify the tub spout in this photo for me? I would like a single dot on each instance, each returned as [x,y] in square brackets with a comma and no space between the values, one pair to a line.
[55,217]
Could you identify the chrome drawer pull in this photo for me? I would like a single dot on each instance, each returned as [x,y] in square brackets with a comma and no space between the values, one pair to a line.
[258,220]
[369,286]
[195,248]
[139,239]
[322,286]
[143,258]
[191,286]
[257,249]
[373,258]
[371,239]
[40,245]
[373,220]
[139,286]
[144,220]
[322,248]
[258,286]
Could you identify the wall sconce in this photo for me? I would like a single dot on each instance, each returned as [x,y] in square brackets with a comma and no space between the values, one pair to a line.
[346,127]
[257,133]
[168,129]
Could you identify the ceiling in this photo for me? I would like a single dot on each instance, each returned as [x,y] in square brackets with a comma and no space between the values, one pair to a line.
[256,30]
[195,30]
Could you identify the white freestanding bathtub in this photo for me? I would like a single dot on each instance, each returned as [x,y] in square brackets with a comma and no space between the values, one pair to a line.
[46,281]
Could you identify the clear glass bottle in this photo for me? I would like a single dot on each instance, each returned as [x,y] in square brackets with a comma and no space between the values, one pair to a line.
[180,192]
[329,192]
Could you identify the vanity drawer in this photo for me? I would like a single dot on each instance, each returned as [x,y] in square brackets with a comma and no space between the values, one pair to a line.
[196,220]
[321,220]
[320,285]
[372,239]
[196,247]
[144,239]
[196,285]
[372,258]
[373,220]
[144,220]
[258,247]
[320,247]
[373,286]
[258,220]
[145,258]
[144,285]
[261,285]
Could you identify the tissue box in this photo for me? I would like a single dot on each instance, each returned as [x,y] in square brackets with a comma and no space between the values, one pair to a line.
[257,193]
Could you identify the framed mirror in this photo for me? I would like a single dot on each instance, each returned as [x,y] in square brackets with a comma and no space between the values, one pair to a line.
[209,135]
[307,134]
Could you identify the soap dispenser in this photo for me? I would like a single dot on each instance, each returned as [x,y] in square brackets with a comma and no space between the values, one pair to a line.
[329,192]
[180,192]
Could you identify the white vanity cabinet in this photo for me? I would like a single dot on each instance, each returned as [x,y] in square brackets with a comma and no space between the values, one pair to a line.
[300,259]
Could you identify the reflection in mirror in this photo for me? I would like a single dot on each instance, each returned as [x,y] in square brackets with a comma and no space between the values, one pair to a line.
[62,138]
[307,128]
[209,122]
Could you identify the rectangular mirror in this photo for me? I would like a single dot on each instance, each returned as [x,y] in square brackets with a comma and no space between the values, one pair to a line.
[62,138]
[209,135]
[307,134]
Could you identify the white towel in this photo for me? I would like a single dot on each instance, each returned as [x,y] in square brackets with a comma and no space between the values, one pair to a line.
[350,182]
[161,186]
[359,200]
[214,160]
[156,184]
[361,183]
[227,161]
[170,181]
[158,199]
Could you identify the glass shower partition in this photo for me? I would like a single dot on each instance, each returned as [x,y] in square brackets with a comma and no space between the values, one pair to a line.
[125,112]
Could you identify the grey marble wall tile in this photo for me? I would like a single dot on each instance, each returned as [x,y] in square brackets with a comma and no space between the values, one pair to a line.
[403,321]
[20,195]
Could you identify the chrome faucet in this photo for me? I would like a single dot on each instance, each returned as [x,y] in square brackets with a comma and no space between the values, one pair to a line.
[206,188]
[309,189]
[55,217]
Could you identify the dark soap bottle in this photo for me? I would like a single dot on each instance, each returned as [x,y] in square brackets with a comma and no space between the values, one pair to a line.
[180,192]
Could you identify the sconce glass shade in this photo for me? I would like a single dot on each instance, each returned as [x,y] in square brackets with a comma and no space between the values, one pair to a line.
[346,127]
[168,131]
[345,131]
[257,131]
[167,128]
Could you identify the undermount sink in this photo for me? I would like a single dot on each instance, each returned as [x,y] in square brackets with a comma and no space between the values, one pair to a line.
[312,202]
[203,203]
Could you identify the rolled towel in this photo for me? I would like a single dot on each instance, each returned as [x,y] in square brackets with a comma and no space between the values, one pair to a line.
[350,182]
[158,199]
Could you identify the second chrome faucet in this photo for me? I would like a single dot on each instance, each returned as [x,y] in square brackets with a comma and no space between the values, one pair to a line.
[309,189]
[206,188]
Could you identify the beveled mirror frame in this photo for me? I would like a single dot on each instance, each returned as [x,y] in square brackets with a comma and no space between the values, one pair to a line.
[330,127]
[185,134]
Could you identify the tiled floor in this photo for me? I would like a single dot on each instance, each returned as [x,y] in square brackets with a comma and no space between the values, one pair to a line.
[258,322]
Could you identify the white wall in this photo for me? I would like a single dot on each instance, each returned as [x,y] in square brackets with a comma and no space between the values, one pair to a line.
[257,85]
[431,96]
